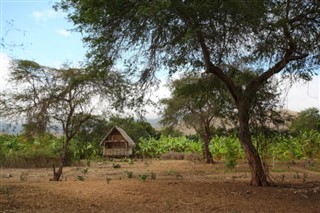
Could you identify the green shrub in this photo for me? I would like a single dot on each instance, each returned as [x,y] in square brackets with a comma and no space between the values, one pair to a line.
[227,148]
[155,148]
[143,177]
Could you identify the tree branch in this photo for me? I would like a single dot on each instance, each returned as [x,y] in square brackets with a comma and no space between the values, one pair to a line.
[211,68]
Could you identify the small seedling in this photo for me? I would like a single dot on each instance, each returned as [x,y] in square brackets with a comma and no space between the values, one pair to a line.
[79,177]
[129,174]
[116,165]
[84,171]
[130,161]
[153,176]
[170,171]
[143,177]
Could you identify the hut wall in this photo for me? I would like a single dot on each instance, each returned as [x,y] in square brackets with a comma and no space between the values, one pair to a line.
[116,149]
[117,137]
[116,152]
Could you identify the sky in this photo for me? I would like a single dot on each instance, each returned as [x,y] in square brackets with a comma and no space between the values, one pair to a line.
[41,34]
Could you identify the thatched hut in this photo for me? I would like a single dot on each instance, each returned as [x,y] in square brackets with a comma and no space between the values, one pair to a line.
[117,143]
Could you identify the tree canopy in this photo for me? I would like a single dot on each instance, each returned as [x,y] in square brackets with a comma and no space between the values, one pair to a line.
[274,36]
[46,97]
[179,34]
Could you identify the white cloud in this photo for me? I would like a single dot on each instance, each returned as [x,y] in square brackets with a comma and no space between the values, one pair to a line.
[64,32]
[44,15]
[300,96]
[303,95]
[160,93]
[4,70]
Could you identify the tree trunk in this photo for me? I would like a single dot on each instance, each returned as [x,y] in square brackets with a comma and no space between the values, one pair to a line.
[258,174]
[207,153]
[63,161]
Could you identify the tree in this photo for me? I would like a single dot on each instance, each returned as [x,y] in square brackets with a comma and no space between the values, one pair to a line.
[214,36]
[307,120]
[201,108]
[90,135]
[48,96]
[210,106]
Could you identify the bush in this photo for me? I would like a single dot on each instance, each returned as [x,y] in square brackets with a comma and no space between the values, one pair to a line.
[155,148]
[227,148]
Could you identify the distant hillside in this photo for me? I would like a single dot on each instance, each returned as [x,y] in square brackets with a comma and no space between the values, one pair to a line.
[154,122]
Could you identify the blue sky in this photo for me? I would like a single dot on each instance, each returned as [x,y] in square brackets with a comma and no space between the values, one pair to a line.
[44,33]
[47,39]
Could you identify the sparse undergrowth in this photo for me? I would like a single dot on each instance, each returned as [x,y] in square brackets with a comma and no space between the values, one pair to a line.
[179,184]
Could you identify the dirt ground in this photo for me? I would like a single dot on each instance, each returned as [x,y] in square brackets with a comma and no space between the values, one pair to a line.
[170,186]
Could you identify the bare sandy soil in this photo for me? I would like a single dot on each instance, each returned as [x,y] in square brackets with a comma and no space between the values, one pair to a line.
[178,186]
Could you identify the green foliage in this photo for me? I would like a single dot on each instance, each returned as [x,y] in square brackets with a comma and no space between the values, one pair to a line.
[129,174]
[304,145]
[86,150]
[210,36]
[195,107]
[171,171]
[81,178]
[17,151]
[307,120]
[231,156]
[85,170]
[86,144]
[143,177]
[154,148]
[130,161]
[227,148]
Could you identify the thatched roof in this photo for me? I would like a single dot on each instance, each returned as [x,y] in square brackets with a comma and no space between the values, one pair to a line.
[123,133]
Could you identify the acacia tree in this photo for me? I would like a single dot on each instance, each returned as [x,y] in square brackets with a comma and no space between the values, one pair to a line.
[199,103]
[48,96]
[211,35]
[204,104]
